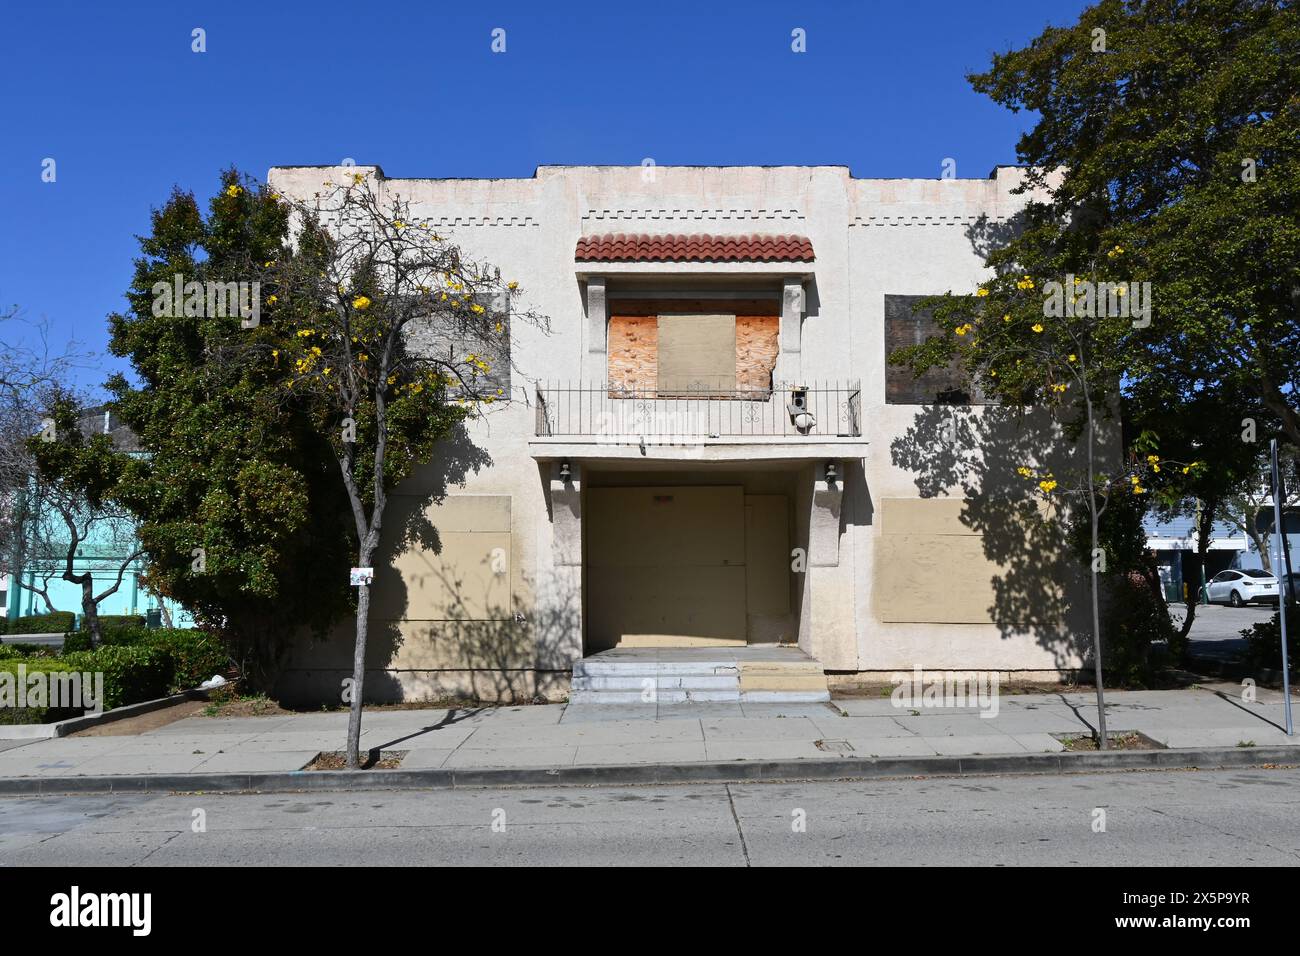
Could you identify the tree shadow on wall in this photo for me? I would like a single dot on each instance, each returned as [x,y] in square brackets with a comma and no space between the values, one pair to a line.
[960,450]
[408,525]
[512,651]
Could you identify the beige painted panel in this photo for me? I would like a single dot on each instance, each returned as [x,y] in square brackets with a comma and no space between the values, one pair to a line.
[923,516]
[767,554]
[478,513]
[489,645]
[665,564]
[665,602]
[665,526]
[946,579]
[459,582]
[933,578]
[697,352]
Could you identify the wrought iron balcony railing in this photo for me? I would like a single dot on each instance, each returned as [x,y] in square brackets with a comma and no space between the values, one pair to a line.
[615,412]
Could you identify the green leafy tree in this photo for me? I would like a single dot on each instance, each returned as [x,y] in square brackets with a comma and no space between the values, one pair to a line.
[1163,127]
[239,511]
[1171,129]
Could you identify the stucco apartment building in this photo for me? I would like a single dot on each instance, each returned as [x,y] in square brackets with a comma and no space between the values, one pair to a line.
[707,473]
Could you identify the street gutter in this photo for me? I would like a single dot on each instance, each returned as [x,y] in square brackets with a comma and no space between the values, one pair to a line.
[748,771]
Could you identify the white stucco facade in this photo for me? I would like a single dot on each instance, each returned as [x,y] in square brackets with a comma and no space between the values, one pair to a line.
[871,238]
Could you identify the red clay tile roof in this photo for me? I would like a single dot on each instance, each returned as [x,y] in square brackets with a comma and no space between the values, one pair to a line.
[693,248]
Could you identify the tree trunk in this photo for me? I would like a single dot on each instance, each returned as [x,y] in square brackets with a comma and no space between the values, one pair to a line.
[358,675]
[90,610]
[1103,743]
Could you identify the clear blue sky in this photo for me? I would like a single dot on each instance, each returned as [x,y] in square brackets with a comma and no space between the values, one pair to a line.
[113,93]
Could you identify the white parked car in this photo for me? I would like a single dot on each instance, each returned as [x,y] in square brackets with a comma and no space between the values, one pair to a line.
[1240,588]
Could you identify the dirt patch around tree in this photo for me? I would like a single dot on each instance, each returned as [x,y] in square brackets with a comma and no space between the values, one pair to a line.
[338,760]
[1119,740]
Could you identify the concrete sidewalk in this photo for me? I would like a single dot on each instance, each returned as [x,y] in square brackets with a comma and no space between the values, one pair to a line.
[570,736]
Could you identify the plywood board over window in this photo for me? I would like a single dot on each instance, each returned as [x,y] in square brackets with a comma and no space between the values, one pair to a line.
[697,354]
[756,348]
[692,346]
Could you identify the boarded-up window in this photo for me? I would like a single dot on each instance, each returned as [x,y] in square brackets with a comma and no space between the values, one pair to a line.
[485,335]
[908,324]
[666,347]
[756,348]
[697,353]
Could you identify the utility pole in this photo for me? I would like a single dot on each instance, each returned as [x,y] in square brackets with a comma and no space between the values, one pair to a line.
[1284,562]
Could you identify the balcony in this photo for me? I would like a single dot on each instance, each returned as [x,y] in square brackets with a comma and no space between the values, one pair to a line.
[786,421]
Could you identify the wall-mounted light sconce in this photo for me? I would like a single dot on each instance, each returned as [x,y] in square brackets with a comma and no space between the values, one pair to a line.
[832,473]
[566,473]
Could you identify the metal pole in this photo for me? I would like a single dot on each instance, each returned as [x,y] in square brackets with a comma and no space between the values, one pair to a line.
[1278,531]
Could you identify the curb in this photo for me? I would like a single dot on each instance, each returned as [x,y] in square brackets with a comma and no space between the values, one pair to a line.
[62,728]
[757,771]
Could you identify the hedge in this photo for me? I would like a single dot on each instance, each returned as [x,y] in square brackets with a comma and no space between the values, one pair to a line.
[137,664]
[194,655]
[131,674]
[57,622]
[12,714]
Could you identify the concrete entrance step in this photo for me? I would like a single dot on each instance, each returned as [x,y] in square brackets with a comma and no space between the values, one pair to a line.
[625,675]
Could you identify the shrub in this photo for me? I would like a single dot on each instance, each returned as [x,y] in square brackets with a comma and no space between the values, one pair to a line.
[26,649]
[10,713]
[194,655]
[1264,641]
[4,625]
[131,674]
[113,634]
[1133,620]
[57,622]
[121,620]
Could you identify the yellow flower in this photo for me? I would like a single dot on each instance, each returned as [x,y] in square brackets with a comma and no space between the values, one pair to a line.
[1153,459]
[1139,490]
[982,292]
[1006,318]
[1073,357]
[993,372]
[512,286]
[272,300]
[1060,387]
[358,178]
[963,329]
[1024,472]
[233,190]
[1037,327]
[275,353]
[361,303]
[1047,485]
[269,263]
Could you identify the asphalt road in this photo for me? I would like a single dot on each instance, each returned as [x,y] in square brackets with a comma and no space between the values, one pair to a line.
[1216,631]
[1232,818]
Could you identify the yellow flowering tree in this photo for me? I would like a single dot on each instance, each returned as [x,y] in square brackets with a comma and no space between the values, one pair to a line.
[387,337]
[1047,334]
